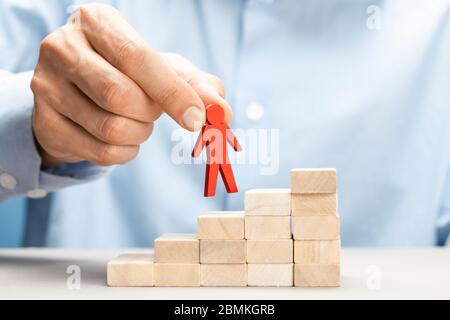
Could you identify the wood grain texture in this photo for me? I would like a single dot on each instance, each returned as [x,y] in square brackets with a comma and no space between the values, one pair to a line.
[176,275]
[313,181]
[270,251]
[221,226]
[316,227]
[177,248]
[317,275]
[132,270]
[268,202]
[314,204]
[317,252]
[224,275]
[223,251]
[270,275]
[267,228]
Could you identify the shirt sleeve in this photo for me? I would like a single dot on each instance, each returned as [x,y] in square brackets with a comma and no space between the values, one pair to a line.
[20,163]
[23,24]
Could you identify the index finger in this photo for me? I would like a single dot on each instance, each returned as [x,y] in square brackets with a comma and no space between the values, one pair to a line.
[116,40]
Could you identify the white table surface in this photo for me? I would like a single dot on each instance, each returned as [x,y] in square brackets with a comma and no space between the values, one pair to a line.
[366,274]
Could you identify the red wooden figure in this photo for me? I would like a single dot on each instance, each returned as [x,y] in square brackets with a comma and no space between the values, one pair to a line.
[215,136]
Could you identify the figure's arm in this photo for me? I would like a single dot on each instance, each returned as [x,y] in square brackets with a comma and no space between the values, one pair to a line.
[200,145]
[233,141]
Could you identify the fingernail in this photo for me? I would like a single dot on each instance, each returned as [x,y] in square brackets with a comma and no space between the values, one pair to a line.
[193,118]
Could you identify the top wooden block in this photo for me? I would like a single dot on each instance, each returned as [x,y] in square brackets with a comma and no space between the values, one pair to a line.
[221,226]
[268,202]
[313,181]
[177,248]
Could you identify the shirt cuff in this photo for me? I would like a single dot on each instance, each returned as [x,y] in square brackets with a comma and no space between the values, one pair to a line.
[20,162]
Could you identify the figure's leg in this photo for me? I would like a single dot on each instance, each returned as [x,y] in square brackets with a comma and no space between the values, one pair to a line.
[212,174]
[226,172]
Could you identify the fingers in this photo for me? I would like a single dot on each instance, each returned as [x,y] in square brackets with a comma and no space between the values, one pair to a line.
[209,87]
[110,128]
[206,88]
[114,39]
[72,57]
[49,124]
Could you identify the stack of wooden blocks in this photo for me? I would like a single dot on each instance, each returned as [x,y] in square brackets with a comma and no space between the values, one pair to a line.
[285,238]
[316,228]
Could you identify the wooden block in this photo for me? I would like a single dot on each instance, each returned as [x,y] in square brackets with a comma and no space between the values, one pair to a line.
[224,275]
[268,202]
[270,251]
[311,181]
[132,270]
[176,275]
[270,275]
[317,252]
[221,226]
[267,228]
[317,275]
[314,204]
[223,251]
[316,227]
[177,248]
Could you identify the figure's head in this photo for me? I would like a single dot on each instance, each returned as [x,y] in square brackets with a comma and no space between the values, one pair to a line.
[215,114]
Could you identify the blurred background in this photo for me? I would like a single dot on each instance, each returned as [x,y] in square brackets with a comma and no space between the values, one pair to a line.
[12,219]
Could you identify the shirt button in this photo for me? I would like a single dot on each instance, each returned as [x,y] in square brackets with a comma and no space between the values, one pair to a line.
[255,111]
[37,194]
[8,181]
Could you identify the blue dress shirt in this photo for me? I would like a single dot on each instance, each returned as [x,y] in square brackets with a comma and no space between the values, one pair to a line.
[313,76]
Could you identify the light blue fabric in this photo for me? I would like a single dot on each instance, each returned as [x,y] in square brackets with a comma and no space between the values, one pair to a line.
[373,104]
[11,223]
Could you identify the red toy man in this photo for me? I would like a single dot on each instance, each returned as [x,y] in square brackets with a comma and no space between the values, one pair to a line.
[215,136]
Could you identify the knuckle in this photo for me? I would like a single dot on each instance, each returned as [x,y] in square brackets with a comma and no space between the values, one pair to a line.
[107,155]
[37,85]
[88,16]
[44,90]
[115,96]
[87,11]
[168,94]
[130,55]
[59,50]
[49,41]
[110,155]
[93,10]
[51,44]
[113,129]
